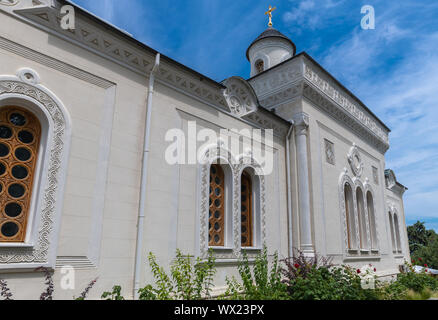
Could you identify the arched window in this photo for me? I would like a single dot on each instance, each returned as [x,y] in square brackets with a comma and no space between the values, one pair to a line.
[362,220]
[246,210]
[372,220]
[349,214]
[397,233]
[259,66]
[216,221]
[20,133]
[391,225]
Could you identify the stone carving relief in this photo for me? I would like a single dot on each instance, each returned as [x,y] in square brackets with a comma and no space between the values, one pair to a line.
[239,96]
[329,151]
[355,161]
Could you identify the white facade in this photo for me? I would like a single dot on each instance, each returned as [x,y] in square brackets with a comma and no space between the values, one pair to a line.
[90,89]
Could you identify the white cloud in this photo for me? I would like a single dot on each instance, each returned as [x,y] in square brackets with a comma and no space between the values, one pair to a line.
[310,14]
[404,93]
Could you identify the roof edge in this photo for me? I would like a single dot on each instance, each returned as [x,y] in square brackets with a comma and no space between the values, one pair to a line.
[126,35]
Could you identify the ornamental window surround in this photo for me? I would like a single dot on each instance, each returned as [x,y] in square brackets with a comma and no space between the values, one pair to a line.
[395,230]
[357,204]
[36,130]
[236,221]
[220,217]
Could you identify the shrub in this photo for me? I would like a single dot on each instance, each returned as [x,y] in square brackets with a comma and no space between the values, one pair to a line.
[5,291]
[410,286]
[187,280]
[84,293]
[317,279]
[261,283]
[115,294]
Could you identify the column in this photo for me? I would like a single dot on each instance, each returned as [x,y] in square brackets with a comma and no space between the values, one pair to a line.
[301,121]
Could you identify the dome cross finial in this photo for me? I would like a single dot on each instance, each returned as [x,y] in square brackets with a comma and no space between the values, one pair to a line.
[269,13]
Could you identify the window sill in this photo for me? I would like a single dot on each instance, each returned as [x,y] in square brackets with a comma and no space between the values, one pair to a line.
[221,248]
[251,249]
[16,245]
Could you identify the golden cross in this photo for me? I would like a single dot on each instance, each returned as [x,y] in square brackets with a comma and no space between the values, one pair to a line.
[269,13]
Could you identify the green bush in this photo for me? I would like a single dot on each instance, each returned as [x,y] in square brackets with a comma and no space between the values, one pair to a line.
[187,280]
[329,283]
[261,283]
[409,286]
[115,294]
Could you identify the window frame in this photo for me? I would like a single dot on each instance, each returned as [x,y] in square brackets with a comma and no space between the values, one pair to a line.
[24,90]
[213,153]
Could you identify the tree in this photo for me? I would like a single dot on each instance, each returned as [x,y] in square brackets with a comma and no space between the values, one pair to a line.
[418,236]
[423,245]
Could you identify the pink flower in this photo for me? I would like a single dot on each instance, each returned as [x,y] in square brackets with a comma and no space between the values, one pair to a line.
[425,265]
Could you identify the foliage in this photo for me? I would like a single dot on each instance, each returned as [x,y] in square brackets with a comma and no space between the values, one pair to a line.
[84,293]
[316,278]
[5,291]
[48,294]
[423,245]
[328,283]
[410,286]
[115,294]
[187,280]
[418,236]
[300,266]
[261,283]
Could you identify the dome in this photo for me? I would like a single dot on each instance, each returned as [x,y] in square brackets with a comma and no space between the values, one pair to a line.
[270,33]
[270,48]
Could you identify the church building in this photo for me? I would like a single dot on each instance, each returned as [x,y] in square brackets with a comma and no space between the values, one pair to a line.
[106,155]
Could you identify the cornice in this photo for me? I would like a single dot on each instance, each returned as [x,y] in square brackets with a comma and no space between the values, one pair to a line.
[109,45]
[299,77]
[343,100]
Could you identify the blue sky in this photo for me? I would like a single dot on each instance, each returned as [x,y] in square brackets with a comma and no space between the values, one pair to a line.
[392,69]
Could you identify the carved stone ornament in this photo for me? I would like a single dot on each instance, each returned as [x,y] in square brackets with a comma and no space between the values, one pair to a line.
[355,161]
[8,2]
[390,179]
[329,151]
[240,96]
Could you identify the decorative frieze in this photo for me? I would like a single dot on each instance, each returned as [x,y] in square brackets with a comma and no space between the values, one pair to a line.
[342,100]
[110,46]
